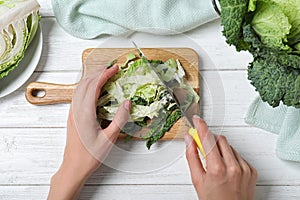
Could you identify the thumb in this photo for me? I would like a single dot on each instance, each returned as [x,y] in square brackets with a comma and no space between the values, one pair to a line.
[120,119]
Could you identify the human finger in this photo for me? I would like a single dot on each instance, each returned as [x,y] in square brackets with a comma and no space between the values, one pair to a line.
[104,77]
[249,174]
[226,152]
[105,139]
[208,141]
[120,119]
[88,90]
[246,168]
[196,168]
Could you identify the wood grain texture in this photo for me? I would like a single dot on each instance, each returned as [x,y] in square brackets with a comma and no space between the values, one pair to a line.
[92,59]
[32,138]
[145,192]
[51,93]
[207,40]
[32,155]
[15,111]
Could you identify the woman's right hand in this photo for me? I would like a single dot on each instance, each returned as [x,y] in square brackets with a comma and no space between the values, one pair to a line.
[228,176]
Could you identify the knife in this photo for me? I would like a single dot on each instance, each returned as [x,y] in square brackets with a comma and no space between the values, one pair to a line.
[181,93]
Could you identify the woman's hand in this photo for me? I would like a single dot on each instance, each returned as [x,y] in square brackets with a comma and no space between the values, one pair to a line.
[87,144]
[228,176]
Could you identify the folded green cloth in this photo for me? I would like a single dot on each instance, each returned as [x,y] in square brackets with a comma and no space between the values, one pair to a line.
[284,121]
[91,18]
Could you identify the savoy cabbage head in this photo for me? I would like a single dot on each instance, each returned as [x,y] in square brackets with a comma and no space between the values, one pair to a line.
[270,30]
[18,25]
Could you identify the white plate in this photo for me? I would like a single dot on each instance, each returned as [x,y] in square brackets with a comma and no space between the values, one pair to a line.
[18,76]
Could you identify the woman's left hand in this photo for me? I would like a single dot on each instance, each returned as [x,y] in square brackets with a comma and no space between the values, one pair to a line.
[87,144]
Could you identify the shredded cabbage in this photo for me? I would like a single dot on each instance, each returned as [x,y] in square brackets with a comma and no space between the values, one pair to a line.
[153,106]
[138,82]
[18,25]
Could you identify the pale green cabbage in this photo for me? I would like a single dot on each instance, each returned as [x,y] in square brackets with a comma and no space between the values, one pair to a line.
[18,25]
[277,22]
[138,82]
[270,31]
[153,106]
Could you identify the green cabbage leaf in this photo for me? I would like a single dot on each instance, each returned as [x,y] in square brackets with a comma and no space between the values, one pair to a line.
[139,83]
[272,25]
[270,31]
[152,105]
[18,25]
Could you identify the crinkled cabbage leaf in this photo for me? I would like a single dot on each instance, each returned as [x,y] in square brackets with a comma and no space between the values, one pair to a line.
[152,105]
[270,31]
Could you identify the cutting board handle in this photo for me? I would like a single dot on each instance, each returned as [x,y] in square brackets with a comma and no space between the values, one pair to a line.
[39,93]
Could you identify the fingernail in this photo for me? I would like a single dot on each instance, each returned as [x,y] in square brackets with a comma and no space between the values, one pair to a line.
[115,67]
[196,117]
[127,105]
[187,139]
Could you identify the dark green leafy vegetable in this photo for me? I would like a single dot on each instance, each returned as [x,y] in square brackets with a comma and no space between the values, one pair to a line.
[127,138]
[269,29]
[136,100]
[171,120]
[131,128]
[233,12]
[273,80]
[154,111]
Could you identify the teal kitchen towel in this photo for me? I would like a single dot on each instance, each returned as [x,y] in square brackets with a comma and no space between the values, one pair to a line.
[284,121]
[89,19]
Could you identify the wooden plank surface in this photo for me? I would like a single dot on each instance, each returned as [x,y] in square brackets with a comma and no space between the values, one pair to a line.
[145,192]
[214,53]
[238,94]
[92,59]
[32,143]
[32,155]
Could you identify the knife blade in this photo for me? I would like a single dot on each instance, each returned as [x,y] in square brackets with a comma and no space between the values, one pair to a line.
[181,92]
[184,96]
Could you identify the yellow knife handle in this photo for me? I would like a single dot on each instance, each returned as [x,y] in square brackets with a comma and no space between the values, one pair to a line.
[193,132]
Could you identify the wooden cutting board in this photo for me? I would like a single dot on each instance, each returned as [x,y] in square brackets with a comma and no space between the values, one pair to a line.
[93,58]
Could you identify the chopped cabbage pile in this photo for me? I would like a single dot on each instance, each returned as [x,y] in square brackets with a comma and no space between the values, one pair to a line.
[18,25]
[151,101]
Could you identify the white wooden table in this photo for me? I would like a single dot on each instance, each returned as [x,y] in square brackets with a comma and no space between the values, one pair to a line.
[32,138]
